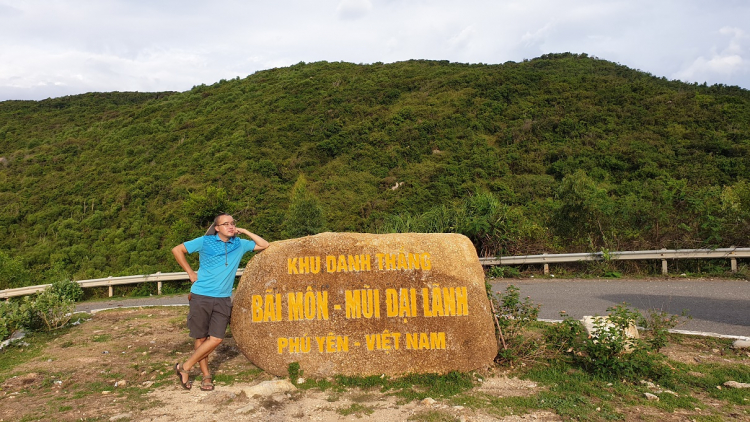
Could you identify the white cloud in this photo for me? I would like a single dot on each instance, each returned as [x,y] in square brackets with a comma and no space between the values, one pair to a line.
[119,45]
[9,11]
[725,64]
[462,41]
[353,9]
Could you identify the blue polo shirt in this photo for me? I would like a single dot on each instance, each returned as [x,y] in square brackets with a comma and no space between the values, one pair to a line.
[218,263]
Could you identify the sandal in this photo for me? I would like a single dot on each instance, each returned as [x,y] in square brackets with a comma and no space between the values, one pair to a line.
[207,384]
[180,371]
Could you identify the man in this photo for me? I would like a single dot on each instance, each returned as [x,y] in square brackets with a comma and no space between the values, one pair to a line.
[220,252]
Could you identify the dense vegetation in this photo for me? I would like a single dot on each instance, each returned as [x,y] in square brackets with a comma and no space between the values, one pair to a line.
[561,153]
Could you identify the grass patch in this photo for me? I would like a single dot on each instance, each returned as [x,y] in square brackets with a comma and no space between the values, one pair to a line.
[433,416]
[101,338]
[25,350]
[242,377]
[410,387]
[356,409]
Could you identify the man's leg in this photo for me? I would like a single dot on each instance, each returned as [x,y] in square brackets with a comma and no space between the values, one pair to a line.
[203,362]
[210,319]
[204,347]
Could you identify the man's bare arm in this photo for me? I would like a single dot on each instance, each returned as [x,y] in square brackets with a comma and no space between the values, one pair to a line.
[260,243]
[180,255]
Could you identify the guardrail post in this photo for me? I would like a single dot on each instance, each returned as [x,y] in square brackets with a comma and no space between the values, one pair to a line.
[733,261]
[111,289]
[158,283]
[546,266]
[664,270]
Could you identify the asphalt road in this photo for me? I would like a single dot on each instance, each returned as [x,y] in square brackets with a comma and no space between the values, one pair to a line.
[717,307]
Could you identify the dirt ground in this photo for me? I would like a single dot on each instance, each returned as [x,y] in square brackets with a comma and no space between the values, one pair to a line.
[118,366]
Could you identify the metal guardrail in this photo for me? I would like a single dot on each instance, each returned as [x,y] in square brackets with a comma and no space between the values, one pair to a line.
[663,254]
[159,278]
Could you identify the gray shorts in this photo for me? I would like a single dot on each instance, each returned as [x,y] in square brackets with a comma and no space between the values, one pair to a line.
[209,316]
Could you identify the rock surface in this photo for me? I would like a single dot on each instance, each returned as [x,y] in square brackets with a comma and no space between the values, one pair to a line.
[593,324]
[268,388]
[735,384]
[363,304]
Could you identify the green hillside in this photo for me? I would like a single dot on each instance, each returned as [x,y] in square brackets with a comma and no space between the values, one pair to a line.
[561,153]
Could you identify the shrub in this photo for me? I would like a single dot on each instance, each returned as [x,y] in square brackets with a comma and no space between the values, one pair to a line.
[67,289]
[48,310]
[513,317]
[610,353]
[657,325]
[503,272]
[9,319]
[51,310]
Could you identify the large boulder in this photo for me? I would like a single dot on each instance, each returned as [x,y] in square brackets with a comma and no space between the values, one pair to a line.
[364,304]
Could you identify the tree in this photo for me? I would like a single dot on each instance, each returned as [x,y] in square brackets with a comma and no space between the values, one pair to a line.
[586,210]
[12,272]
[203,208]
[305,214]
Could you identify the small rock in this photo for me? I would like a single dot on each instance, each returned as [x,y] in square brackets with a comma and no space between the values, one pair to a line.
[121,416]
[458,407]
[217,398]
[268,388]
[300,380]
[651,397]
[147,383]
[121,383]
[278,397]
[105,392]
[247,409]
[648,384]
[741,344]
[428,401]
[735,384]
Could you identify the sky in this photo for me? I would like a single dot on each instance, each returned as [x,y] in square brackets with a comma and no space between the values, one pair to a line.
[53,48]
